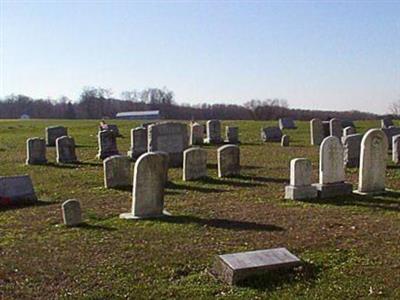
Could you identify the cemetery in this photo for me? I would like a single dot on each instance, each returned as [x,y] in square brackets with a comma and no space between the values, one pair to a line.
[203,209]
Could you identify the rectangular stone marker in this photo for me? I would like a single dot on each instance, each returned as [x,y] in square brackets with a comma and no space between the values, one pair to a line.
[35,151]
[117,171]
[231,135]
[326,126]
[228,158]
[396,149]
[16,190]
[286,123]
[71,212]
[196,134]
[271,134]
[348,123]
[65,150]
[300,180]
[352,149]
[107,142]
[138,142]
[114,128]
[54,132]
[194,164]
[386,123]
[316,132]
[335,127]
[235,267]
[213,128]
[390,133]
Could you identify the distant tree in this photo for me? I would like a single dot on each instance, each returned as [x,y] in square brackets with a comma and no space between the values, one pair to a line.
[394,108]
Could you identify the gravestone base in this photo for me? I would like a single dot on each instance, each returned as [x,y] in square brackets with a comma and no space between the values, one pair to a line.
[300,192]
[333,189]
[375,193]
[131,216]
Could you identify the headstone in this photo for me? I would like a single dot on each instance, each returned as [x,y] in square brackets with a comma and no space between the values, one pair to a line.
[117,171]
[194,164]
[15,190]
[374,147]
[271,134]
[138,142]
[317,132]
[331,169]
[386,123]
[348,130]
[352,147]
[286,123]
[169,137]
[390,133]
[196,134]
[148,187]
[35,151]
[213,128]
[231,135]
[335,128]
[285,141]
[326,125]
[235,267]
[396,149]
[228,160]
[107,144]
[114,128]
[71,212]
[300,180]
[348,123]
[54,132]
[65,149]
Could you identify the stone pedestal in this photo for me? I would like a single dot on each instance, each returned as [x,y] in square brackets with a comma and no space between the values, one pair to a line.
[300,192]
[331,190]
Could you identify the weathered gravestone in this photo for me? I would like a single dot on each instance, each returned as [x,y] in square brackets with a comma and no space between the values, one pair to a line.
[348,130]
[194,164]
[107,144]
[300,180]
[348,123]
[396,149]
[335,128]
[35,151]
[386,123]
[65,149]
[53,133]
[390,133]
[228,160]
[71,212]
[316,131]
[374,147]
[114,128]
[138,142]
[285,141]
[117,171]
[286,123]
[352,147]
[213,128]
[331,170]
[169,137]
[148,187]
[326,126]
[15,190]
[271,134]
[196,134]
[232,135]
[235,267]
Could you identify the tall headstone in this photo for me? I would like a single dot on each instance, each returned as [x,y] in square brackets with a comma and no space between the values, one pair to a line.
[317,132]
[386,123]
[396,149]
[228,160]
[138,142]
[335,128]
[326,126]
[196,134]
[331,169]
[352,147]
[15,190]
[36,151]
[65,149]
[232,135]
[148,187]
[107,144]
[117,171]
[348,130]
[374,147]
[194,164]
[169,137]
[300,180]
[390,133]
[71,212]
[271,134]
[114,128]
[286,123]
[213,129]
[54,132]
[285,141]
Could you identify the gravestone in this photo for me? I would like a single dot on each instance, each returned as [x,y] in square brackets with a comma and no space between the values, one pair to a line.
[117,171]
[71,212]
[65,149]
[326,125]
[331,169]
[316,131]
[235,267]
[348,123]
[286,123]
[348,130]
[300,180]
[15,190]
[231,135]
[138,142]
[285,141]
[114,128]
[107,144]
[390,133]
[53,133]
[228,160]
[386,123]
[372,173]
[35,151]
[148,187]
[352,147]
[271,134]
[169,137]
[194,164]
[196,134]
[335,128]
[396,149]
[213,128]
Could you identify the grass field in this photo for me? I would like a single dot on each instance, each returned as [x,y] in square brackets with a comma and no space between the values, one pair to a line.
[350,245]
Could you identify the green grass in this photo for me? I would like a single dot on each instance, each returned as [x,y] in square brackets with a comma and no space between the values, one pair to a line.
[350,245]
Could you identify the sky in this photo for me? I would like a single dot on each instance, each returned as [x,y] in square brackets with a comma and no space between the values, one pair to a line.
[330,55]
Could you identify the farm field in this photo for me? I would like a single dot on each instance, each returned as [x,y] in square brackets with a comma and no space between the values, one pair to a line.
[350,245]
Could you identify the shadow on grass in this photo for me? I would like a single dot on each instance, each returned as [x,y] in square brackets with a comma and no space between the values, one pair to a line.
[87,163]
[26,205]
[127,188]
[227,181]
[176,186]
[262,179]
[95,227]
[61,166]
[86,146]
[212,166]
[394,167]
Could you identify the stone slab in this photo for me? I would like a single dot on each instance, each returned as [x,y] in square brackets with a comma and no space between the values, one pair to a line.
[300,192]
[16,190]
[331,190]
[131,216]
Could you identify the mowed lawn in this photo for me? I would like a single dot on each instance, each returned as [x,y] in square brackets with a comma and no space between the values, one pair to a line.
[350,245]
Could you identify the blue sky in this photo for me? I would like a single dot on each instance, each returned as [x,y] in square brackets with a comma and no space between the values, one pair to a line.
[325,55]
